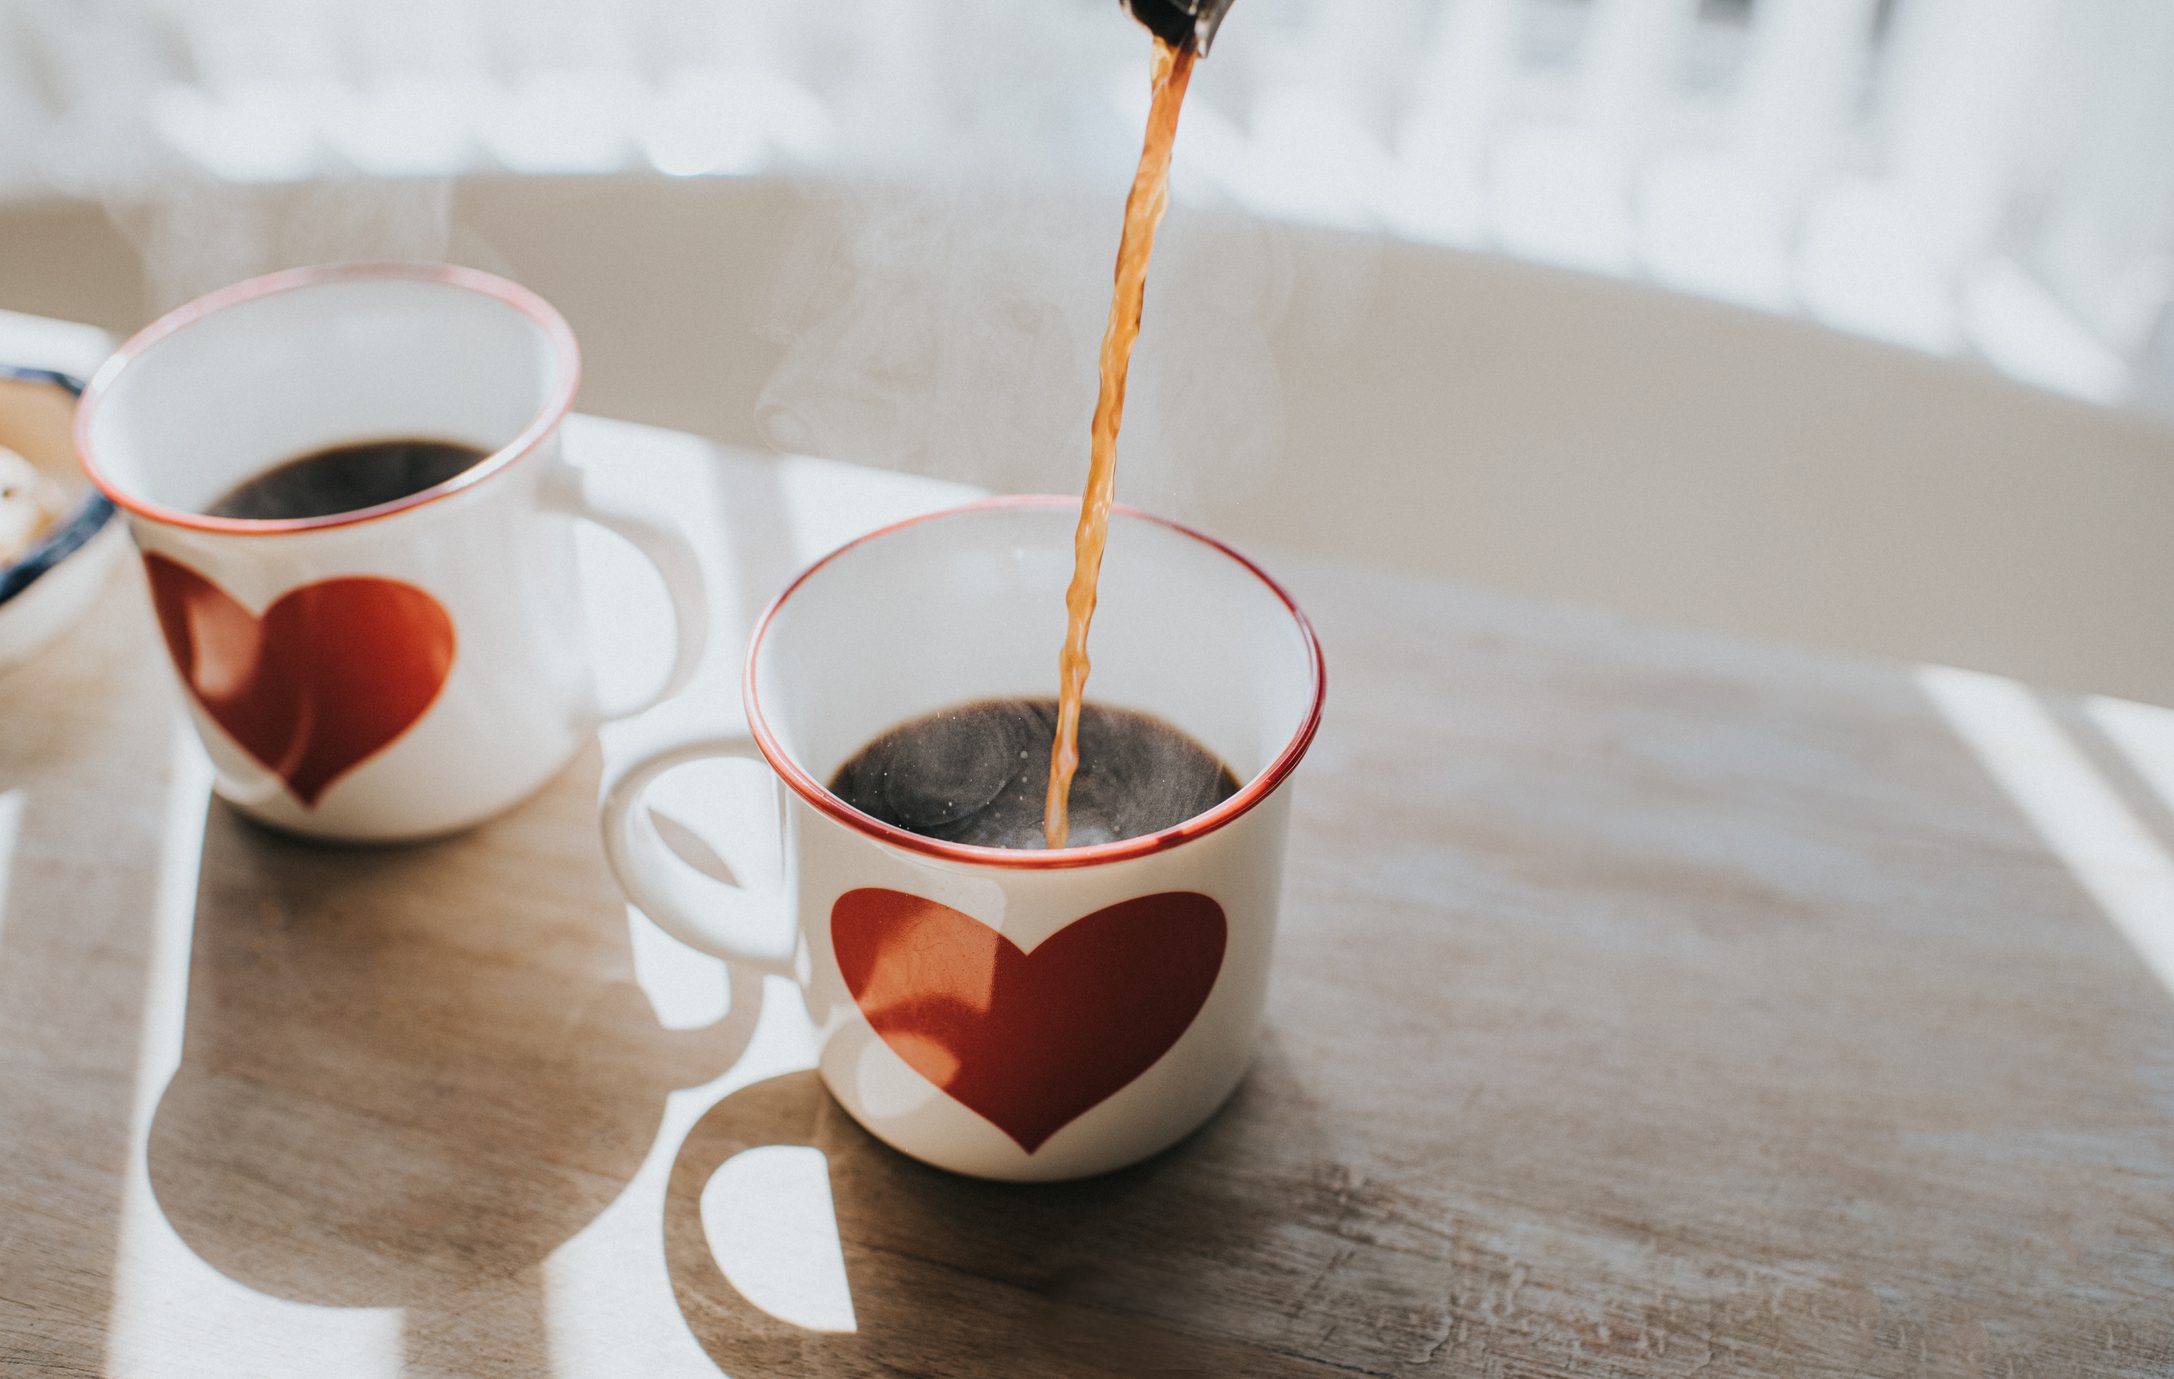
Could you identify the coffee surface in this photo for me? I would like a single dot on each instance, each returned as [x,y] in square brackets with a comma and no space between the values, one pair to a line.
[979,774]
[346,478]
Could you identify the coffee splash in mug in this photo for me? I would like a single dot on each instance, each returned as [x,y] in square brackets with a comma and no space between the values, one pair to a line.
[1144,207]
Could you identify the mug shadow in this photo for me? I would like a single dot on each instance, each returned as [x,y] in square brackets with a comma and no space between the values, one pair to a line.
[1127,1274]
[408,1075]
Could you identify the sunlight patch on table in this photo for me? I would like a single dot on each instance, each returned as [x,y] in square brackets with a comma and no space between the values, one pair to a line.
[167,1302]
[2087,825]
[11,825]
[686,987]
[628,616]
[2144,735]
[828,503]
[608,1295]
[771,1225]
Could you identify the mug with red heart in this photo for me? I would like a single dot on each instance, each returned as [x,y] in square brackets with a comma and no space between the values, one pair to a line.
[1008,1013]
[395,650]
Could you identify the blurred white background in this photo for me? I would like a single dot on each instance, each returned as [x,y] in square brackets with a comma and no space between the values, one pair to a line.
[1843,321]
[1982,178]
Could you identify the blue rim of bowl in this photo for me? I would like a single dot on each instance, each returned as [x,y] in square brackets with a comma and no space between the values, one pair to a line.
[79,527]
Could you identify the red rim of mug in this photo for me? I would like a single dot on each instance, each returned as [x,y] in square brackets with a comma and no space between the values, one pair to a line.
[1251,794]
[511,294]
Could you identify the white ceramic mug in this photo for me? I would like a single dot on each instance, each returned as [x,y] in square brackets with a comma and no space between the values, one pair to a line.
[1022,1015]
[398,671]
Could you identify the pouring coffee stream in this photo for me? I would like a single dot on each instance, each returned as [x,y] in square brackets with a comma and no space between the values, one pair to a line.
[1182,29]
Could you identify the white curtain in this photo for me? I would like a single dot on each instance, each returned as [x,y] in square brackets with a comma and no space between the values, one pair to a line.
[1977,177]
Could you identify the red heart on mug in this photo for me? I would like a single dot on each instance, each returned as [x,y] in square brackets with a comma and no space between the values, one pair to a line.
[1029,1040]
[329,676]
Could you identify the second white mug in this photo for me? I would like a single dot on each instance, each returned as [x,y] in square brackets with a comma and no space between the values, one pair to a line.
[402,670]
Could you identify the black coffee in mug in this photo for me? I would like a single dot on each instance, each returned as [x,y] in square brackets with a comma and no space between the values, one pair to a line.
[346,478]
[979,774]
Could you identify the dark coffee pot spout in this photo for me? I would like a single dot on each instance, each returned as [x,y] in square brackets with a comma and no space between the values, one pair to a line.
[1179,22]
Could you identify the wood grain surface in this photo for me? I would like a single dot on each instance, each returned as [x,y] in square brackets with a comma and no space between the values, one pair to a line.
[1647,1004]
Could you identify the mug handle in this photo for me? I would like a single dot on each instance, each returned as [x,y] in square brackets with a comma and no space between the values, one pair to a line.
[722,920]
[675,562]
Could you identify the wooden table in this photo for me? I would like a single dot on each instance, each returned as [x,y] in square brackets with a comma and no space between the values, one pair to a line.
[1648,1004]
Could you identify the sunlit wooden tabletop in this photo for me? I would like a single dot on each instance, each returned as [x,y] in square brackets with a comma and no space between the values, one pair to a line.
[1648,1003]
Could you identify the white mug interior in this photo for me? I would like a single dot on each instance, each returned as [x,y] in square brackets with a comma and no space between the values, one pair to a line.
[379,352]
[969,605]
